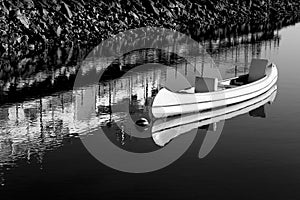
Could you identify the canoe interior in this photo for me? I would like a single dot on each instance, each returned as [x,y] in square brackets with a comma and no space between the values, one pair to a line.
[225,84]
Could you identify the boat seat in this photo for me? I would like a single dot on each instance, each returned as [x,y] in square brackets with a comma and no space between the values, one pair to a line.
[257,69]
[221,86]
[204,84]
[241,80]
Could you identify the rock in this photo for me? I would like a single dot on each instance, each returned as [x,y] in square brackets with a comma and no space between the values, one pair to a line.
[94,21]
[31,47]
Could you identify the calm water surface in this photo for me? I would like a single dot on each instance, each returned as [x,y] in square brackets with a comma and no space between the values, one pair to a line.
[42,155]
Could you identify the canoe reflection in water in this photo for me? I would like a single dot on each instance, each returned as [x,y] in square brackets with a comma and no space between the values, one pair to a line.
[166,129]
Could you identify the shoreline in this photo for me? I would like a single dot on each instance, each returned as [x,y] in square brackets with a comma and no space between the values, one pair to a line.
[32,25]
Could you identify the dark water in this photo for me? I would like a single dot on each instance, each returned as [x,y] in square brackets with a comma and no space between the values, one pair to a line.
[41,150]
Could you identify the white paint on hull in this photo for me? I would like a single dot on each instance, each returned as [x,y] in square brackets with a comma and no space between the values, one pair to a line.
[164,130]
[168,103]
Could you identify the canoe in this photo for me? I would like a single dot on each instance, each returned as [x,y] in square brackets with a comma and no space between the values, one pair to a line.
[168,103]
[164,130]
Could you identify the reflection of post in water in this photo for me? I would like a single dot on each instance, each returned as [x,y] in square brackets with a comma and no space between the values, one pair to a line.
[210,46]
[62,102]
[246,57]
[235,70]
[146,92]
[121,135]
[40,155]
[238,52]
[41,118]
[99,90]
[203,61]
[17,115]
[277,38]
[253,48]
[130,89]
[82,99]
[258,49]
[153,79]
[185,68]
[219,54]
[114,91]
[109,102]
[52,132]
[266,47]
[232,54]
[174,45]
[195,65]
[236,59]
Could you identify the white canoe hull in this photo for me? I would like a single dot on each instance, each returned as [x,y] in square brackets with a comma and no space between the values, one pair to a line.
[168,103]
[163,131]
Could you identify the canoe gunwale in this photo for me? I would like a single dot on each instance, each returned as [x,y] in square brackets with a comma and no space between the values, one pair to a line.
[220,99]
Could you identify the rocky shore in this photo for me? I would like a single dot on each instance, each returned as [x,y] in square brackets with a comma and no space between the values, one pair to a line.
[32,25]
